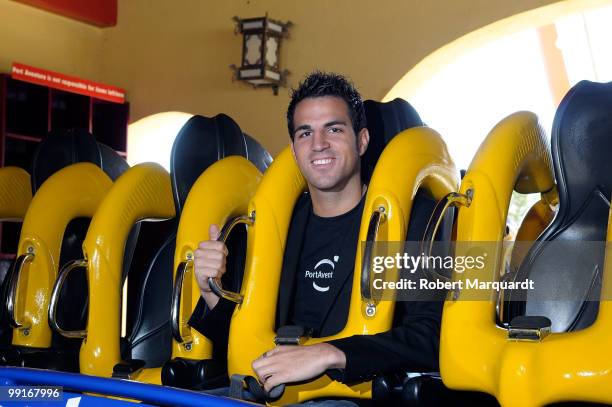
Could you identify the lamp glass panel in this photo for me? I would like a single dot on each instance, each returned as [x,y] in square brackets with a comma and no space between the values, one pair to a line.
[272,52]
[253,49]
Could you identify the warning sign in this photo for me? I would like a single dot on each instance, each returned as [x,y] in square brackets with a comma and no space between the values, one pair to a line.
[68,83]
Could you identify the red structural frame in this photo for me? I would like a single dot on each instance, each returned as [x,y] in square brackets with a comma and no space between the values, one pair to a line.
[102,13]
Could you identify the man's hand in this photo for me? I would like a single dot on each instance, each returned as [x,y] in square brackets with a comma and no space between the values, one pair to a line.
[290,363]
[209,261]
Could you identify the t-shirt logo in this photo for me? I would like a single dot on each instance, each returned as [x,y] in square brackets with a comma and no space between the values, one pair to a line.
[322,274]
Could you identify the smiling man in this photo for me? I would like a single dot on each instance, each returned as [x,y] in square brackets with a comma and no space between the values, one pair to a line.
[327,126]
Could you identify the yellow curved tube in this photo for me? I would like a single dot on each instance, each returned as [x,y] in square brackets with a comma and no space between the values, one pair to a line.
[15,193]
[536,220]
[142,192]
[475,354]
[221,192]
[415,158]
[72,192]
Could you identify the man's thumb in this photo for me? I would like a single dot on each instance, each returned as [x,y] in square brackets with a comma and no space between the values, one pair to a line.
[213,232]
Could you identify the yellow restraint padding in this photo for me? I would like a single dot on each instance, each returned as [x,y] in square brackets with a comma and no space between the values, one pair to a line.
[539,216]
[72,192]
[15,193]
[220,193]
[415,158]
[142,192]
[475,354]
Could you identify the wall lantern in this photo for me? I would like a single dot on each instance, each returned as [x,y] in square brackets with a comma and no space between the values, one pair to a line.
[262,38]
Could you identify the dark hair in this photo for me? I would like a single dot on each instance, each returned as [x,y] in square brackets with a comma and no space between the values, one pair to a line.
[319,84]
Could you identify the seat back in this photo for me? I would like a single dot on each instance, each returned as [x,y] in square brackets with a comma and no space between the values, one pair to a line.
[201,142]
[61,149]
[385,121]
[566,262]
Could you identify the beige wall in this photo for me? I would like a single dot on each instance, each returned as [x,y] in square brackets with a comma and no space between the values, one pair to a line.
[175,55]
[45,40]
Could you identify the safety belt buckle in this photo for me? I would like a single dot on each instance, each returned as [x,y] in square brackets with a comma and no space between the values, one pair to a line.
[529,328]
[292,335]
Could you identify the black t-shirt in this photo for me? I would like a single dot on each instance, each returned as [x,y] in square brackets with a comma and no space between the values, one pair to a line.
[326,263]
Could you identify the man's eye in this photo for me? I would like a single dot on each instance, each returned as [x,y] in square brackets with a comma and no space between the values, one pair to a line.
[335,130]
[304,134]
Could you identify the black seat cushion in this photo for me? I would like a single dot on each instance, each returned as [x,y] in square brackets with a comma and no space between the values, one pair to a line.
[565,265]
[201,142]
[385,121]
[111,162]
[150,338]
[256,154]
[61,149]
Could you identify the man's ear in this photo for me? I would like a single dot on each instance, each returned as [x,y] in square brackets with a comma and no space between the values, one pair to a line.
[363,138]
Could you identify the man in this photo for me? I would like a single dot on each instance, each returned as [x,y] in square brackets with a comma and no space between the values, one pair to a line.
[327,126]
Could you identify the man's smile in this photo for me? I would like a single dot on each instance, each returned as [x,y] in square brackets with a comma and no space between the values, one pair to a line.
[323,162]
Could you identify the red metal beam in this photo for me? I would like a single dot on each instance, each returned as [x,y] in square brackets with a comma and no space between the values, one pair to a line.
[102,13]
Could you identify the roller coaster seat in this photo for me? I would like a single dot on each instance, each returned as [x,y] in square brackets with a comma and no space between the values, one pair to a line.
[580,145]
[185,369]
[147,344]
[552,345]
[201,142]
[383,122]
[57,151]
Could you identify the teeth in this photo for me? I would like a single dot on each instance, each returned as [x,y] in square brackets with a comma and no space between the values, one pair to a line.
[322,161]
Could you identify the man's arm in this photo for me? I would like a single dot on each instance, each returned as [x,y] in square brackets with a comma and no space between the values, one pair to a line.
[289,363]
[413,342]
[213,323]
[411,346]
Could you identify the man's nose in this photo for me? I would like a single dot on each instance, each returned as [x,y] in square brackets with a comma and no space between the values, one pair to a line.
[319,141]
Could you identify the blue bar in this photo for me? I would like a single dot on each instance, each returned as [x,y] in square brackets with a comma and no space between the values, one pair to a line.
[149,393]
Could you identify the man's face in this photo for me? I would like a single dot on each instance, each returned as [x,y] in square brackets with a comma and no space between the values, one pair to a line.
[325,146]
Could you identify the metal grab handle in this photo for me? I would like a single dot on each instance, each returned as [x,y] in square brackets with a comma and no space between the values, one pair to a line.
[378,217]
[435,220]
[177,291]
[13,282]
[57,289]
[225,231]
